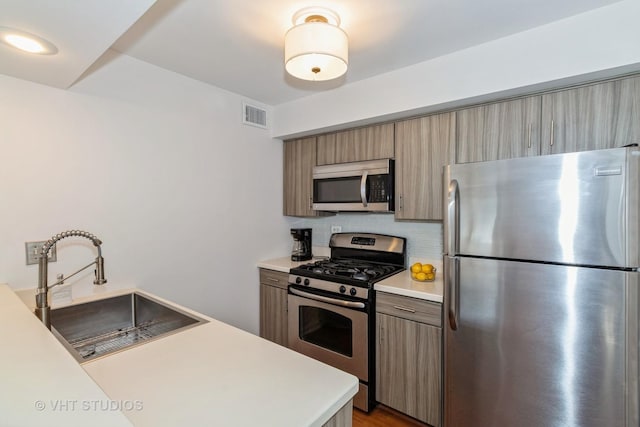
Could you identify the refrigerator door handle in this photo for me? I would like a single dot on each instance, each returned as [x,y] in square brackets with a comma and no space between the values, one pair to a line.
[453,215]
[452,268]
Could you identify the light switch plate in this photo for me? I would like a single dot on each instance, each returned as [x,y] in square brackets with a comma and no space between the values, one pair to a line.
[336,229]
[32,250]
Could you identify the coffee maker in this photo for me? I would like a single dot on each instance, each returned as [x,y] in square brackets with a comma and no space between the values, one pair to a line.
[301,250]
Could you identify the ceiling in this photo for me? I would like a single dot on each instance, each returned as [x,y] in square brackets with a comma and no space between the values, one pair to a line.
[237,45]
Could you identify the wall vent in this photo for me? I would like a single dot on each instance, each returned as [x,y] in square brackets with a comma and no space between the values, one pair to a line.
[254,116]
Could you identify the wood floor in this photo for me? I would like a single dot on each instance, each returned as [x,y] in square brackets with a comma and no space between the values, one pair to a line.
[382,416]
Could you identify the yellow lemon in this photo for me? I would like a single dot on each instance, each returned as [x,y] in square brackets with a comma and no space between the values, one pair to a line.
[421,276]
[431,276]
[427,268]
[416,268]
[413,275]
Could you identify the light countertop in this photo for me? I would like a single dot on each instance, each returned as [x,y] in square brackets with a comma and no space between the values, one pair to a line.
[42,384]
[211,374]
[403,284]
[284,264]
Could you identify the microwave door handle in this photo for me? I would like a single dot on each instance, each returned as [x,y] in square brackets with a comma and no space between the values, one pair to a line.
[363,188]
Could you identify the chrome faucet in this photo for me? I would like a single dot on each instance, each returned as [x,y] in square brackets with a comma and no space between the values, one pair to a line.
[43,309]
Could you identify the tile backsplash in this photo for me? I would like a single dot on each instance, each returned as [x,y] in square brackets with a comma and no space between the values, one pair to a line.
[424,239]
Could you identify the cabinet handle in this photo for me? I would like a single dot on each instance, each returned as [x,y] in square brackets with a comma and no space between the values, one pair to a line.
[529,135]
[400,200]
[552,126]
[310,202]
[273,280]
[399,307]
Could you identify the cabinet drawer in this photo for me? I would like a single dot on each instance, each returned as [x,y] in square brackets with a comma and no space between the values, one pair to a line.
[274,278]
[409,308]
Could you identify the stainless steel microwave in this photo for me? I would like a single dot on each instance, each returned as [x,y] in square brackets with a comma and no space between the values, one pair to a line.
[357,186]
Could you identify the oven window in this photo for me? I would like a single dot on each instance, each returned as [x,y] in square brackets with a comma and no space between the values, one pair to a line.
[326,329]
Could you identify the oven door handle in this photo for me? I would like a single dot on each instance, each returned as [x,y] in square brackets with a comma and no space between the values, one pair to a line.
[351,304]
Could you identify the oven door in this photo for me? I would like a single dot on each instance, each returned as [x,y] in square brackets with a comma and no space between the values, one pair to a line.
[325,329]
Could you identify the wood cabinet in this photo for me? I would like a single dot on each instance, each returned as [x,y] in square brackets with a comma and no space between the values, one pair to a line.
[408,356]
[502,130]
[423,147]
[603,115]
[273,306]
[299,160]
[354,145]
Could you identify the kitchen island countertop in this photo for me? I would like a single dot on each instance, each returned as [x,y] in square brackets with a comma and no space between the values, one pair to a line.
[42,384]
[211,374]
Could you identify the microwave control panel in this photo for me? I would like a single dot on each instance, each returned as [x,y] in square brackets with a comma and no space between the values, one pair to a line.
[378,188]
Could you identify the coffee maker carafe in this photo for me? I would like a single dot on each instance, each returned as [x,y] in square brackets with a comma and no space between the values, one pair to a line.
[301,250]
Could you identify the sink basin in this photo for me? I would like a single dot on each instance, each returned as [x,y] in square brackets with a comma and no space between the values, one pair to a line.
[104,326]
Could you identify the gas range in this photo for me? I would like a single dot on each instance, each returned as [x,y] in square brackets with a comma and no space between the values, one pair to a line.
[358,260]
[342,275]
[331,305]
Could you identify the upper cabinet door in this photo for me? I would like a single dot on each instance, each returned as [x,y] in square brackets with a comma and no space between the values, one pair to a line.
[299,160]
[326,149]
[605,115]
[423,147]
[502,130]
[366,143]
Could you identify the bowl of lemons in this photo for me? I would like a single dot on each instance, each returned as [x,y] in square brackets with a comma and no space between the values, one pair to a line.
[423,272]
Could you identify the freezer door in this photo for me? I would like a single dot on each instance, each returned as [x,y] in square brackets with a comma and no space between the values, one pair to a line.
[540,345]
[575,208]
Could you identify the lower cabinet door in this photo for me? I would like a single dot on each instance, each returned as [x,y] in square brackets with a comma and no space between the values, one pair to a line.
[409,367]
[273,314]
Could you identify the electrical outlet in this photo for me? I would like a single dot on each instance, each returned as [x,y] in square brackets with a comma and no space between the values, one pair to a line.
[336,229]
[32,250]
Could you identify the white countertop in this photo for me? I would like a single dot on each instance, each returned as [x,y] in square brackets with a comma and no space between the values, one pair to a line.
[400,284]
[211,374]
[403,284]
[284,264]
[42,384]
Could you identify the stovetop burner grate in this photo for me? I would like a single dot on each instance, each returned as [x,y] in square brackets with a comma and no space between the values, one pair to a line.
[348,268]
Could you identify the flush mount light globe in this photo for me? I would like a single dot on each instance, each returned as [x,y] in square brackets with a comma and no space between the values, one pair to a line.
[26,42]
[316,48]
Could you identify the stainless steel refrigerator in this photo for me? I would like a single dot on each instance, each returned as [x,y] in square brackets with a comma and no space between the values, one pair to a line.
[541,291]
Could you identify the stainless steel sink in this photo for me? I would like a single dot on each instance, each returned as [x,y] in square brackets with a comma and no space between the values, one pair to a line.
[101,327]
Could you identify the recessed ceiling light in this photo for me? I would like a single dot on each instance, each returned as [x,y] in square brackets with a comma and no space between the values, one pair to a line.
[26,42]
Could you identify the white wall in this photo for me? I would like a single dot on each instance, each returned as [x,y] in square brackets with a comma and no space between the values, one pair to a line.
[185,198]
[602,42]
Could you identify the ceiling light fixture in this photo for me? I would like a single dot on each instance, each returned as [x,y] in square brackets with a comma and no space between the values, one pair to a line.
[316,48]
[26,42]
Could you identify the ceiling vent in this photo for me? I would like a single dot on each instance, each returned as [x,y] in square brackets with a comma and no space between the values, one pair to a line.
[254,116]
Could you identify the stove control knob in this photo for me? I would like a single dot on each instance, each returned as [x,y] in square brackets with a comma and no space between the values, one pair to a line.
[353,291]
[298,279]
[342,289]
[306,282]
